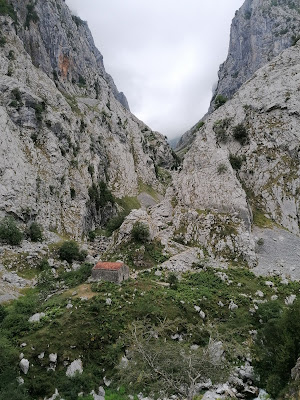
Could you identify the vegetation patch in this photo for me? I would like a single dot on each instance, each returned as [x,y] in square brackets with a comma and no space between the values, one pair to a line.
[140,232]
[240,134]
[99,332]
[260,220]
[9,231]
[31,15]
[220,100]
[7,9]
[144,187]
[236,162]
[220,128]
[35,232]
[70,251]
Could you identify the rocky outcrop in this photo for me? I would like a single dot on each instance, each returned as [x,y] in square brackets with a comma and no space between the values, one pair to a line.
[66,139]
[62,46]
[247,153]
[243,170]
[260,30]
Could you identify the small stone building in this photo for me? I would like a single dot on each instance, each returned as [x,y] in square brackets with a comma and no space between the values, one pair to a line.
[115,272]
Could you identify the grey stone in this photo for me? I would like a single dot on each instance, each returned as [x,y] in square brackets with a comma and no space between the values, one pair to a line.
[36,317]
[232,306]
[74,368]
[290,299]
[261,31]
[24,365]
[53,357]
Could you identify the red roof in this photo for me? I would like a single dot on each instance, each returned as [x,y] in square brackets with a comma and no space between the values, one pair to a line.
[114,266]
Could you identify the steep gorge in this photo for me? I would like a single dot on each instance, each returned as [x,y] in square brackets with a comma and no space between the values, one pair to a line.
[72,157]
[65,125]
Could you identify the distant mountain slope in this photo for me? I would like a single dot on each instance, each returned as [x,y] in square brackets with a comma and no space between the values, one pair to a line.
[65,127]
[260,30]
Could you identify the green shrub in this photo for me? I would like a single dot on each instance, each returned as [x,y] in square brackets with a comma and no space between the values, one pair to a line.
[39,108]
[31,15]
[69,251]
[140,232]
[198,126]
[220,128]
[2,41]
[277,347]
[3,313]
[9,232]
[222,168]
[35,232]
[81,81]
[100,195]
[43,265]
[77,277]
[7,9]
[220,100]
[240,134]
[115,223]
[72,193]
[92,236]
[11,55]
[236,162]
[173,281]
[16,94]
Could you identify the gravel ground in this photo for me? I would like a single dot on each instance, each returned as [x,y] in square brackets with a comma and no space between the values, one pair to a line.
[278,253]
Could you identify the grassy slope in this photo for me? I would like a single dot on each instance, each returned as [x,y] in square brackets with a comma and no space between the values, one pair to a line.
[92,329]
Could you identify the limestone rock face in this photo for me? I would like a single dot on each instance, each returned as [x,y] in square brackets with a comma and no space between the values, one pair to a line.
[227,173]
[62,46]
[64,127]
[260,30]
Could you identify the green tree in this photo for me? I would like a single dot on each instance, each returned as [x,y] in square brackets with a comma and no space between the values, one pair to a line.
[9,232]
[35,232]
[277,347]
[69,251]
[140,232]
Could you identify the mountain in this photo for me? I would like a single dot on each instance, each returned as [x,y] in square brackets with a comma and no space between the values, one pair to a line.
[211,308]
[65,125]
[260,30]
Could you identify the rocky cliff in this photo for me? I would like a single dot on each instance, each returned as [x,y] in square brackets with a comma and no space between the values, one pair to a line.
[245,158]
[237,192]
[260,30]
[65,126]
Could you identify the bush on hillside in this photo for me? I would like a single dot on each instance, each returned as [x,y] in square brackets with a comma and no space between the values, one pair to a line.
[220,100]
[277,347]
[69,251]
[35,232]
[140,232]
[240,134]
[236,162]
[9,232]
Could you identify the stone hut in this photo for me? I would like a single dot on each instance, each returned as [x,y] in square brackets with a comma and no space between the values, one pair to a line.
[115,272]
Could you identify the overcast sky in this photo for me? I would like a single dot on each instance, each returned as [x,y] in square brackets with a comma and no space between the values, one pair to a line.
[163,54]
